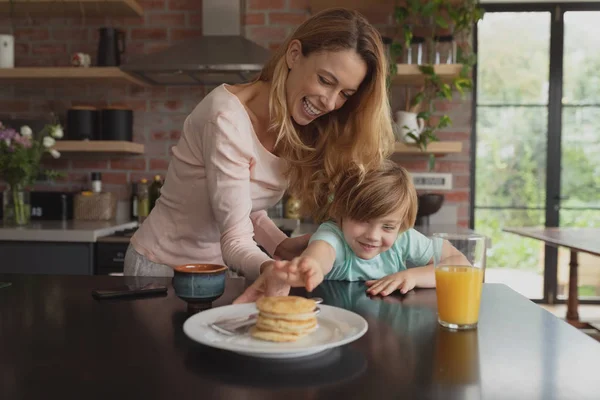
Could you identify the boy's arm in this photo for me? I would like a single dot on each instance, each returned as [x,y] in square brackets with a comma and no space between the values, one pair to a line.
[323,253]
[425,276]
[451,255]
[310,268]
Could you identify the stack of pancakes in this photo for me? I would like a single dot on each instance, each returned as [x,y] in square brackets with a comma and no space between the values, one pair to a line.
[284,318]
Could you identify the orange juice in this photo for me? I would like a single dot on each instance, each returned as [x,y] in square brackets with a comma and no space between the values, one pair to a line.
[458,294]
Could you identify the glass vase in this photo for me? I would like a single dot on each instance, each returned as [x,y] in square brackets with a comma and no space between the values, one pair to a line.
[16,206]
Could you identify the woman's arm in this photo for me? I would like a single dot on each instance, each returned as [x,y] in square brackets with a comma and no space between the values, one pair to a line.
[226,152]
[266,233]
[274,241]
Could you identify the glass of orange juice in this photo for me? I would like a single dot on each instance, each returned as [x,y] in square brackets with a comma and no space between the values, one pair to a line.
[459,261]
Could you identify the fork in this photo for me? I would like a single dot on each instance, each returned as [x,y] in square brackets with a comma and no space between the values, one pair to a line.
[241,325]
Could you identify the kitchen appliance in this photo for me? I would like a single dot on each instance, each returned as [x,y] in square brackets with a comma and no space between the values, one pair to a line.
[45,206]
[220,55]
[110,47]
[83,123]
[429,204]
[117,123]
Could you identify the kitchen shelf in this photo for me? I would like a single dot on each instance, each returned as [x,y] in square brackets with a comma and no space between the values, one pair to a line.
[363,6]
[72,74]
[436,148]
[72,8]
[98,146]
[410,74]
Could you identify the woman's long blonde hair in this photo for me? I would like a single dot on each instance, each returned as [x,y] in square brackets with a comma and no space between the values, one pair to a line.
[358,135]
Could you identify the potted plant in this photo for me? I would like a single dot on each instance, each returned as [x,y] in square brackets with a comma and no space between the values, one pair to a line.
[434,19]
[20,158]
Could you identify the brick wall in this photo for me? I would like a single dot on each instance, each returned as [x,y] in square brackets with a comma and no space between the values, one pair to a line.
[160,111]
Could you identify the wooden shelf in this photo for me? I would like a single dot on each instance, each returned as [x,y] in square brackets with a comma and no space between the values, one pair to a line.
[72,74]
[72,8]
[98,146]
[362,6]
[410,73]
[436,148]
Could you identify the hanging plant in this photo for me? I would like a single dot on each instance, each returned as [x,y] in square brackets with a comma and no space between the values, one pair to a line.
[435,18]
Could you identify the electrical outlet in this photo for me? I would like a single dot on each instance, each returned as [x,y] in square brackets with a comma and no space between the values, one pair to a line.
[432,181]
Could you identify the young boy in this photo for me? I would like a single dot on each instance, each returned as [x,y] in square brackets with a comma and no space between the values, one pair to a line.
[370,239]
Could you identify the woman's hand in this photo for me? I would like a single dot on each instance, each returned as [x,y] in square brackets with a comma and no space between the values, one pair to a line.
[267,284]
[291,248]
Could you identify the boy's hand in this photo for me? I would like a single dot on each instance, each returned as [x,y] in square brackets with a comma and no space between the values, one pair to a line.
[301,271]
[403,280]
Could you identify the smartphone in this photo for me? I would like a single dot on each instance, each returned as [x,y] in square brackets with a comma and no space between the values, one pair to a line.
[130,291]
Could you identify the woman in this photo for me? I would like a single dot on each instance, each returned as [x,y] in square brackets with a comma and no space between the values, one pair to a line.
[318,107]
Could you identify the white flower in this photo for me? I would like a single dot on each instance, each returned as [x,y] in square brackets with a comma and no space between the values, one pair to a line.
[48,142]
[26,131]
[7,141]
[54,153]
[56,132]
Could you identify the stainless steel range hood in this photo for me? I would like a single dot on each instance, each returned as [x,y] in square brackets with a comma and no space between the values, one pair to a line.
[220,55]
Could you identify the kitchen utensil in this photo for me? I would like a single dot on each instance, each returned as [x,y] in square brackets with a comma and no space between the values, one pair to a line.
[110,47]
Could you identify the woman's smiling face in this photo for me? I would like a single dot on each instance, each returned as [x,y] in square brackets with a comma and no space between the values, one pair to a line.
[321,82]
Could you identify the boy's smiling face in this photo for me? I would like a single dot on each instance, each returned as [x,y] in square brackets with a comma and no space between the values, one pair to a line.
[369,238]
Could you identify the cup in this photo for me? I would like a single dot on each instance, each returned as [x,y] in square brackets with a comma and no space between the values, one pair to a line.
[199,284]
[459,261]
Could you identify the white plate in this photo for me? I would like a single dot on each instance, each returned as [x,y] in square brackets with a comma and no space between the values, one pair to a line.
[336,327]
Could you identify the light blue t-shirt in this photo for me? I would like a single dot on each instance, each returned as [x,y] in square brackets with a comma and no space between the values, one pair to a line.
[410,246]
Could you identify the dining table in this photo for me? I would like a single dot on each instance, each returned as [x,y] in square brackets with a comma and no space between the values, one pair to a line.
[58,341]
[576,240]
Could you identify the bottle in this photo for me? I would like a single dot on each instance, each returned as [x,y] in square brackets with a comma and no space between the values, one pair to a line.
[96,182]
[155,190]
[143,200]
[133,211]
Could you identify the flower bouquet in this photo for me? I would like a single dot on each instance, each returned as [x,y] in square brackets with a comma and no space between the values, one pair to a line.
[20,165]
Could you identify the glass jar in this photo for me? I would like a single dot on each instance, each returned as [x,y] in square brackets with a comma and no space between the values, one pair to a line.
[16,206]
[445,49]
[414,52]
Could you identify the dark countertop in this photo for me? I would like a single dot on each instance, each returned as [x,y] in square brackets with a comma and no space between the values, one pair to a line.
[56,341]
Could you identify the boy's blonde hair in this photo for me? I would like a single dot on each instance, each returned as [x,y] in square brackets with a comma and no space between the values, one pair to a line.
[359,134]
[377,194]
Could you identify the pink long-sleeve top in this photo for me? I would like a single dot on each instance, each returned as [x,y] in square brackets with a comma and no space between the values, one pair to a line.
[219,182]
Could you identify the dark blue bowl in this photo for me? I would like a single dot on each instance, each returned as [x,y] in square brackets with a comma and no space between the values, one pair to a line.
[199,283]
